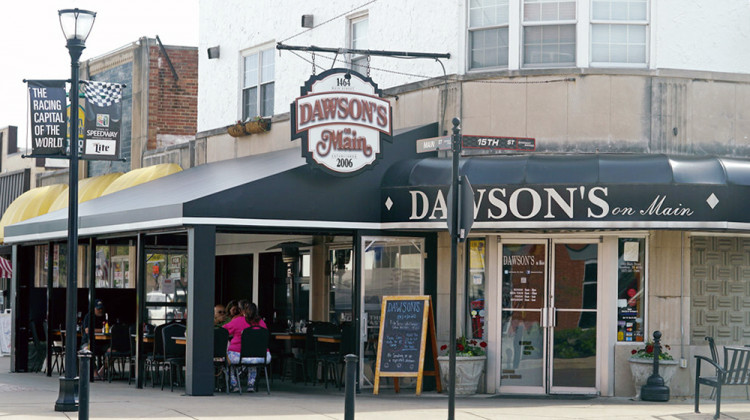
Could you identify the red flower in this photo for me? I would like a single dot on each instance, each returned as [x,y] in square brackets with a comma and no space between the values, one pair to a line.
[473,342]
[483,344]
[667,346]
[650,348]
[631,352]
[460,347]
[443,347]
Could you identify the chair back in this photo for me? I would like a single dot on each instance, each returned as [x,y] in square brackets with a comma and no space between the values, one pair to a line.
[254,342]
[120,338]
[712,347]
[171,348]
[325,328]
[158,341]
[736,365]
[221,338]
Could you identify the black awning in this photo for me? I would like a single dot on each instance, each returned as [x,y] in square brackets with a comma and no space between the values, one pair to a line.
[595,191]
[276,189]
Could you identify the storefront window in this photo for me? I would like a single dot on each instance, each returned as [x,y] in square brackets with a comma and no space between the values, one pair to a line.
[113,267]
[340,288]
[631,269]
[475,287]
[59,271]
[166,286]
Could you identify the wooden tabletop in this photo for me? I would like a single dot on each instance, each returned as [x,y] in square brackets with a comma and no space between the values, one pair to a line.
[325,338]
[102,336]
[288,336]
[180,340]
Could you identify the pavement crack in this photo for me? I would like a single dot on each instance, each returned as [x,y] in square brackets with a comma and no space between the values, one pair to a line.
[184,414]
[475,414]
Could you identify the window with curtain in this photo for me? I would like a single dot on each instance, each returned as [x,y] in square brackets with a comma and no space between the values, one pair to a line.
[488,33]
[358,41]
[549,33]
[619,31]
[258,84]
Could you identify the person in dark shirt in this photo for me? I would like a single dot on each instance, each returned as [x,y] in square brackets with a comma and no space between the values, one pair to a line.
[99,320]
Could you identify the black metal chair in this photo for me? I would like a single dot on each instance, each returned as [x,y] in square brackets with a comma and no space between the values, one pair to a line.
[326,354]
[221,363]
[119,351]
[348,346]
[174,354]
[155,360]
[734,371]
[254,346]
[57,352]
[306,358]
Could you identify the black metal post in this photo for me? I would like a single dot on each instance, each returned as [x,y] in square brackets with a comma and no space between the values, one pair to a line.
[84,356]
[351,379]
[456,149]
[655,390]
[66,400]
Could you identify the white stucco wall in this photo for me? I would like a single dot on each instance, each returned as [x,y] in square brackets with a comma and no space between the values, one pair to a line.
[685,34]
[702,35]
[393,25]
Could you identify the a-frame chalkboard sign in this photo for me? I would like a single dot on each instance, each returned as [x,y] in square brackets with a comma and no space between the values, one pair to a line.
[406,327]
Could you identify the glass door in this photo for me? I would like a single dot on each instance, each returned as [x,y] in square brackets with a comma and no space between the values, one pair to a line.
[523,340]
[549,316]
[573,317]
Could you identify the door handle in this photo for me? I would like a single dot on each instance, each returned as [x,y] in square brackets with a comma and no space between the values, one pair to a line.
[545,318]
[554,317]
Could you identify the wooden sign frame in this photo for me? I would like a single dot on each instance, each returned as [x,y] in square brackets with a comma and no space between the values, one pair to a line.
[428,328]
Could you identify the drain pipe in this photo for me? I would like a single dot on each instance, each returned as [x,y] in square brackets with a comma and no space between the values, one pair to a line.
[683,361]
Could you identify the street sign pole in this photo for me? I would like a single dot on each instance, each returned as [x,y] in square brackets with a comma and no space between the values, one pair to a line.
[455,235]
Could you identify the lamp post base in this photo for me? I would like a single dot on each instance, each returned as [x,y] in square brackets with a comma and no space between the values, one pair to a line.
[68,398]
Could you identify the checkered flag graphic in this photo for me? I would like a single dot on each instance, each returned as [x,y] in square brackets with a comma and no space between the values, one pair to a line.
[102,94]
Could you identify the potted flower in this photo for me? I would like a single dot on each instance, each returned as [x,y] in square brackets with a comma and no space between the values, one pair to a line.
[470,358]
[237,129]
[257,125]
[642,365]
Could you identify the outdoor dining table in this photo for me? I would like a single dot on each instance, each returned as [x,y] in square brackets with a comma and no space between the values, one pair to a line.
[180,340]
[147,338]
[328,338]
[288,336]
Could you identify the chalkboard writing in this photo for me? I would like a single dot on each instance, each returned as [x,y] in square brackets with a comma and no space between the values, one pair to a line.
[406,326]
[402,336]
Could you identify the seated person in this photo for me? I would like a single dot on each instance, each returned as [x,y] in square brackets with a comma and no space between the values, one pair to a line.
[100,349]
[249,319]
[219,315]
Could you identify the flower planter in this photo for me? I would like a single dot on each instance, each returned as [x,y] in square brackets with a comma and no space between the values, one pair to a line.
[643,368]
[236,130]
[257,126]
[468,371]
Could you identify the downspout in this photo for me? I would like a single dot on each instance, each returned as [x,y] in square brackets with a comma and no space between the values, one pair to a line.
[683,362]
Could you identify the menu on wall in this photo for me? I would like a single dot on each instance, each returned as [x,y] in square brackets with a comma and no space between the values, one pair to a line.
[630,290]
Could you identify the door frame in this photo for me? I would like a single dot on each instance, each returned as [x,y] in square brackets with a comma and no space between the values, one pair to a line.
[546,313]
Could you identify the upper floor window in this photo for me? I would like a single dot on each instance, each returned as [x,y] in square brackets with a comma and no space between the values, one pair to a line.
[549,33]
[358,41]
[618,31]
[257,84]
[488,33]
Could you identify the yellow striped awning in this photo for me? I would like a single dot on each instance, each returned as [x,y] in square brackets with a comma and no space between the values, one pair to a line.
[139,176]
[88,189]
[34,202]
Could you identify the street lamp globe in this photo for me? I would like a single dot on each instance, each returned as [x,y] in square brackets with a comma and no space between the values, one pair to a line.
[76,23]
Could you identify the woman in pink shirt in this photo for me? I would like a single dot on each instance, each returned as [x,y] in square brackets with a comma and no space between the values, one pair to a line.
[250,319]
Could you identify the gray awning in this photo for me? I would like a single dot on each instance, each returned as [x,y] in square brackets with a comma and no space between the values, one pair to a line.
[272,190]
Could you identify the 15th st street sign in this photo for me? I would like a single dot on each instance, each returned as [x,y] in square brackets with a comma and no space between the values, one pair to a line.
[489,144]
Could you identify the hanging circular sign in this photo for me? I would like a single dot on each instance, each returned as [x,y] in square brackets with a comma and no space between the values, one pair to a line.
[342,120]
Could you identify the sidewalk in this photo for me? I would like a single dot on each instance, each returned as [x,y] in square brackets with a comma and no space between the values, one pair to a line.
[33,395]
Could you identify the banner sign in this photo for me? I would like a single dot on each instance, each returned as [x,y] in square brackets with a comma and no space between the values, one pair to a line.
[47,104]
[341,120]
[103,120]
[626,205]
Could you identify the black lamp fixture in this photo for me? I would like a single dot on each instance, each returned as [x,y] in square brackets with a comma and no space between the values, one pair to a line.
[289,250]
[76,25]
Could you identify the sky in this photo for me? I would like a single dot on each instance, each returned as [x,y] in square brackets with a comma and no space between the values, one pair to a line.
[33,45]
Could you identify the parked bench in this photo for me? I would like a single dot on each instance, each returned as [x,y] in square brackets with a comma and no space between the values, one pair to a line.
[734,372]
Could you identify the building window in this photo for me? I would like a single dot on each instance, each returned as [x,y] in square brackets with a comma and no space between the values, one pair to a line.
[549,33]
[618,31]
[257,84]
[631,287]
[358,41]
[488,33]
[475,288]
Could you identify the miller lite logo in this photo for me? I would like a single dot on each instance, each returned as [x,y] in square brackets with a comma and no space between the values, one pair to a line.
[341,121]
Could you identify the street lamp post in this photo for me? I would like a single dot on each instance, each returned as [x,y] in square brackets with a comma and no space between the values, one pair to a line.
[76,25]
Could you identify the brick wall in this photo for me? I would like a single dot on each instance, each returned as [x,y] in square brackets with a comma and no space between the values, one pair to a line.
[172,104]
